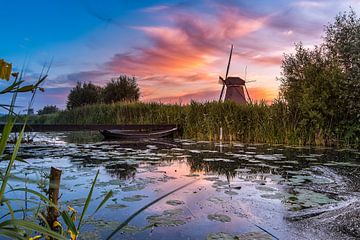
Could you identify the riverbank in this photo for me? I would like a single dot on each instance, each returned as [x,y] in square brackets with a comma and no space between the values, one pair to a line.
[251,123]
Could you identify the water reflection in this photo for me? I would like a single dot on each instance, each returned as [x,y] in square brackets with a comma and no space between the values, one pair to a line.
[248,183]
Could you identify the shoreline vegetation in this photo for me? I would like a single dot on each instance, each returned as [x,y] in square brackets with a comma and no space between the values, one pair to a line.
[318,103]
[251,123]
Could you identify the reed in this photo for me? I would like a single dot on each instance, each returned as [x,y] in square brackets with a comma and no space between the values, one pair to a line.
[251,123]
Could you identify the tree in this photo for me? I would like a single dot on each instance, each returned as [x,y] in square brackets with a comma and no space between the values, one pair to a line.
[121,89]
[48,110]
[309,84]
[342,39]
[83,94]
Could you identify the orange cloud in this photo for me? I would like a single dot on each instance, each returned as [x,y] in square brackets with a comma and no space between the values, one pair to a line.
[182,61]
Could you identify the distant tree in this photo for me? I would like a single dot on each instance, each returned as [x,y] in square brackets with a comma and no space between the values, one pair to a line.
[48,110]
[83,94]
[121,89]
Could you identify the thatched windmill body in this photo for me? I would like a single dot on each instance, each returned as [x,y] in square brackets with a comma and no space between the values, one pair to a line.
[234,87]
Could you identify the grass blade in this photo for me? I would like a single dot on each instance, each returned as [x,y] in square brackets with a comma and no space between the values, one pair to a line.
[32,227]
[106,198]
[10,233]
[123,224]
[69,222]
[88,199]
[41,196]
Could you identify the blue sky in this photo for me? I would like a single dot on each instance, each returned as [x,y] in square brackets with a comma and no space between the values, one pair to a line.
[176,49]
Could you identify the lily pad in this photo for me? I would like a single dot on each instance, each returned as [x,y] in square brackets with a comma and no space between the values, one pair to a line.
[174,202]
[219,218]
[254,236]
[134,198]
[133,188]
[220,236]
[169,218]
[116,206]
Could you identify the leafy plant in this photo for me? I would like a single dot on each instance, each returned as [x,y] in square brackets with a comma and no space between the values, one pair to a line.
[49,109]
[19,228]
[121,89]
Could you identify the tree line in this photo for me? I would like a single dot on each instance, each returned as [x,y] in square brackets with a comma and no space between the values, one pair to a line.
[121,89]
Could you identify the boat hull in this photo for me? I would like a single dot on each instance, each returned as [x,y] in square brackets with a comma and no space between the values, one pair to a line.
[131,134]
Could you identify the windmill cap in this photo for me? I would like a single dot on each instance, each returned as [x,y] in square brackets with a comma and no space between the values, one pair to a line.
[237,81]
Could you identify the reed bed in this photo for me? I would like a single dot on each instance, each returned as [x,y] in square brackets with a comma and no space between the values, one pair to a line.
[251,123]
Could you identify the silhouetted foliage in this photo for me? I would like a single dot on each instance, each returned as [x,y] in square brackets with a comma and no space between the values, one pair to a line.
[342,40]
[321,86]
[83,94]
[48,110]
[121,89]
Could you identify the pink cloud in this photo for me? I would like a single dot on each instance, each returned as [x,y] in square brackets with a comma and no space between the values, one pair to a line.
[184,55]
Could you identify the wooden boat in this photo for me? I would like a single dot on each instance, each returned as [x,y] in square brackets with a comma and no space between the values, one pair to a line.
[137,134]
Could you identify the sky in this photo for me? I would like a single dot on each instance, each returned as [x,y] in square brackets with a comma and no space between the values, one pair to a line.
[176,49]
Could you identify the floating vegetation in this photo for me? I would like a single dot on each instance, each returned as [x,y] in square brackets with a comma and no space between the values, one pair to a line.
[89,235]
[76,202]
[116,206]
[215,200]
[232,193]
[244,236]
[273,196]
[304,198]
[102,224]
[131,229]
[169,218]
[134,198]
[219,218]
[233,182]
[136,187]
[175,202]
[220,236]
[301,179]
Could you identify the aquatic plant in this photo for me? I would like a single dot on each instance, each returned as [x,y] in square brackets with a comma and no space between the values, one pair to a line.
[16,228]
[251,123]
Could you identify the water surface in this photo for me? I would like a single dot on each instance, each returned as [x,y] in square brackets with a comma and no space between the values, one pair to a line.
[232,191]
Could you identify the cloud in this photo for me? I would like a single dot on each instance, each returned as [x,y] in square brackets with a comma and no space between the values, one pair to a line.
[181,56]
[185,54]
[70,80]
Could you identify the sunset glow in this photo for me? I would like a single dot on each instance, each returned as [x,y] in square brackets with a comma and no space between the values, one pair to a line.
[176,49]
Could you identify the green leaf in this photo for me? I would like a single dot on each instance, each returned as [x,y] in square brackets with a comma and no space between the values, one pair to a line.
[69,222]
[87,202]
[26,88]
[12,234]
[33,227]
[41,196]
[106,198]
[11,211]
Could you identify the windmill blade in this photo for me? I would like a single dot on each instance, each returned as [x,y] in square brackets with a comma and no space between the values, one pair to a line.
[223,88]
[250,81]
[247,92]
[221,80]
[245,72]
[228,66]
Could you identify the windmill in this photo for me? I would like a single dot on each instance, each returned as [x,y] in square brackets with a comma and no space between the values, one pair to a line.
[235,86]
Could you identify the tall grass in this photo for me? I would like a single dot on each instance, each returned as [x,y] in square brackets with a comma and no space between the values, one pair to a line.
[252,123]
[11,226]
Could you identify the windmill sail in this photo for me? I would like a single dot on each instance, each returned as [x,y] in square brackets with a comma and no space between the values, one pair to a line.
[227,73]
[235,86]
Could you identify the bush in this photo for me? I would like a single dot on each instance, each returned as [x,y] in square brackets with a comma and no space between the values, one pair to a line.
[48,110]
[83,94]
[121,89]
